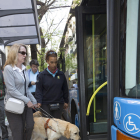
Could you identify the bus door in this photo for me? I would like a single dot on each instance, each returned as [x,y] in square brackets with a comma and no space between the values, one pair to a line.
[92,70]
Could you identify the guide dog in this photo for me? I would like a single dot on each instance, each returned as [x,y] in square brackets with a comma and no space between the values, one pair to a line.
[56,128]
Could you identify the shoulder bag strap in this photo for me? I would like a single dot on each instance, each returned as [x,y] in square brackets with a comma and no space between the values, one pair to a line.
[26,106]
[24,83]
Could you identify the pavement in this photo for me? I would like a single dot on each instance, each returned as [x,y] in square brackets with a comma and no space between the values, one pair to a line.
[10,135]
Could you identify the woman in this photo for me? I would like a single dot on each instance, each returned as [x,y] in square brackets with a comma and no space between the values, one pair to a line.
[15,77]
[52,87]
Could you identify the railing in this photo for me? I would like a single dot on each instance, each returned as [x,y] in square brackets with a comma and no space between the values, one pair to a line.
[92,97]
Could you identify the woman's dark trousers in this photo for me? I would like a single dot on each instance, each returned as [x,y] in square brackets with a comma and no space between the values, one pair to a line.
[2,120]
[21,125]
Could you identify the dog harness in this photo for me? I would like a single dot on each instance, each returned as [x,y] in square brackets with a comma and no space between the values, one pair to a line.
[46,126]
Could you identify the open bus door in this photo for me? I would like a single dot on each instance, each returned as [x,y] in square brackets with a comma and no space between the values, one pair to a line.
[92,70]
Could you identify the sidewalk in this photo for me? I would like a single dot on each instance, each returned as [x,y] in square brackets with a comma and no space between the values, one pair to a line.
[9,131]
[10,135]
[10,138]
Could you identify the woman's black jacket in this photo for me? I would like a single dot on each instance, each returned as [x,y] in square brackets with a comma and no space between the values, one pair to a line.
[51,89]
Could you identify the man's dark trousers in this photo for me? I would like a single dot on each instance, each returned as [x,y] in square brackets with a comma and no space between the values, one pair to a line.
[2,120]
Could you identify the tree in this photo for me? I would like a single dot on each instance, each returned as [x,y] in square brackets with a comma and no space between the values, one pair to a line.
[68,60]
[45,6]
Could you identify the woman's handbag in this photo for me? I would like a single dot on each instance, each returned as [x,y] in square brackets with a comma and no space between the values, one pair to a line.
[14,105]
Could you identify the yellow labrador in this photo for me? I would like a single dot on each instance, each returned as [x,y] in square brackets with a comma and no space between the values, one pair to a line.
[62,128]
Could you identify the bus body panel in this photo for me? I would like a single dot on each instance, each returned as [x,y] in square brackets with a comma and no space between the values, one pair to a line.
[74,95]
[116,134]
[127,115]
[73,102]
[113,132]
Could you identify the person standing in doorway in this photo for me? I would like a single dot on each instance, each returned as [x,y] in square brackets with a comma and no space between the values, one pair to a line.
[52,89]
[2,111]
[75,84]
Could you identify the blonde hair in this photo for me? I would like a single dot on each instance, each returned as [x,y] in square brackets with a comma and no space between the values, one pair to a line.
[13,55]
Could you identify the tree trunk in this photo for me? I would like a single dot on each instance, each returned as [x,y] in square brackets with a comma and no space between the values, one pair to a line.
[33,51]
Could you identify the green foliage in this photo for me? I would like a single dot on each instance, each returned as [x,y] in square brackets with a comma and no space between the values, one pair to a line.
[27,67]
[70,43]
[75,3]
[69,62]
[41,60]
[61,50]
[51,35]
[60,67]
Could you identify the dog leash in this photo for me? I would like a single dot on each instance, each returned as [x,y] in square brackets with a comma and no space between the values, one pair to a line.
[47,114]
[46,126]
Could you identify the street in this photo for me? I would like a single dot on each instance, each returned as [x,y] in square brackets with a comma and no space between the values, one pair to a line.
[10,135]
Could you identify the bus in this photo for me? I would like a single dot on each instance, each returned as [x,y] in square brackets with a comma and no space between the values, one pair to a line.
[105,105]
[125,106]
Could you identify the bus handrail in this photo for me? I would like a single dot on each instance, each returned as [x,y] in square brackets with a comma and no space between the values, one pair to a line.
[92,97]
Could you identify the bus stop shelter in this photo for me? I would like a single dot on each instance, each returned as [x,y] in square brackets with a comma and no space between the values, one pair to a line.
[19,22]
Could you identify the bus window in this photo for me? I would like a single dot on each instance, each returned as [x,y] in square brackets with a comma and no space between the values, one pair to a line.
[132,59]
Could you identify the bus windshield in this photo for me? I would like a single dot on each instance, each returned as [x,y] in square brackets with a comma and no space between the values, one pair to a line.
[132,58]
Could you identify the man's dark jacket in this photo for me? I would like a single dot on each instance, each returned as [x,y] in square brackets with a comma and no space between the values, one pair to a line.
[2,87]
[51,89]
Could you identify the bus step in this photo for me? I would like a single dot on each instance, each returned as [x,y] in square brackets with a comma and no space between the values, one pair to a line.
[99,139]
[98,127]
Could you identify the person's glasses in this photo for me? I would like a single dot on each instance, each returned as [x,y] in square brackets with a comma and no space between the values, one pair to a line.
[22,52]
[52,53]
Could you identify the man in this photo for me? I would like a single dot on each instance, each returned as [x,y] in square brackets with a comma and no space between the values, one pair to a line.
[2,112]
[33,72]
[74,84]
